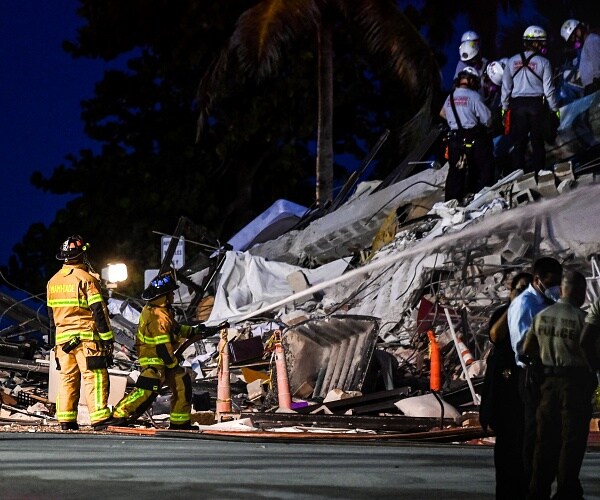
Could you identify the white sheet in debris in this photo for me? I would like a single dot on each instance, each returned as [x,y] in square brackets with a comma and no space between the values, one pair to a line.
[248,283]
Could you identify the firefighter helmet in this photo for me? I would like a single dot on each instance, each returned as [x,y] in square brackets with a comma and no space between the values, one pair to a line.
[535,33]
[468,50]
[159,286]
[469,36]
[494,71]
[568,27]
[72,248]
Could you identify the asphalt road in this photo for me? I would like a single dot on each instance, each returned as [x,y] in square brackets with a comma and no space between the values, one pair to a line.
[86,466]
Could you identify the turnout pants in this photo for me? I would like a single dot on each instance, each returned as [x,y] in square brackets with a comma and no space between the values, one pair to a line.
[74,367]
[148,386]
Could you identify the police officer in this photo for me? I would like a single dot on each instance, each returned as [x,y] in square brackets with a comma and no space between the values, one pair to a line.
[470,149]
[157,339]
[576,34]
[526,85]
[80,327]
[565,408]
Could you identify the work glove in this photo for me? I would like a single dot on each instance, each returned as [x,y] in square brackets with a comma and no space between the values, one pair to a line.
[201,330]
[558,114]
[108,348]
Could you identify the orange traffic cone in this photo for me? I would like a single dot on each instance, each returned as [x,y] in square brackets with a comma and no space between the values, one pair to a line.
[435,364]
[223,383]
[283,385]
[463,350]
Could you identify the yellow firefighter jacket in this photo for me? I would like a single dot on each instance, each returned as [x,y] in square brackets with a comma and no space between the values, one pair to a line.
[159,335]
[76,307]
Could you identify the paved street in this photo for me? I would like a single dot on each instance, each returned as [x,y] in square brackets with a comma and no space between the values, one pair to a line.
[78,466]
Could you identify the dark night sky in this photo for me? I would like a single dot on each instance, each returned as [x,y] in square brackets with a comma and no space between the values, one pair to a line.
[42,87]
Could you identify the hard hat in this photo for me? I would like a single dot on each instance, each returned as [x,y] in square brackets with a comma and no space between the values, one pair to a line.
[472,76]
[494,70]
[468,50]
[159,286]
[568,27]
[468,71]
[535,33]
[72,248]
[469,36]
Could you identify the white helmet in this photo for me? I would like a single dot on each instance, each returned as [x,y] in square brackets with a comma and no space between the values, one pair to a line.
[535,33]
[468,71]
[472,76]
[566,30]
[495,70]
[468,50]
[469,36]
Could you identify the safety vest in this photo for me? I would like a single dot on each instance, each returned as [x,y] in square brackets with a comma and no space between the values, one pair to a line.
[77,307]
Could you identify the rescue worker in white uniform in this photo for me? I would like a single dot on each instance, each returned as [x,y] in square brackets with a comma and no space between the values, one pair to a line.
[526,86]
[80,328]
[470,149]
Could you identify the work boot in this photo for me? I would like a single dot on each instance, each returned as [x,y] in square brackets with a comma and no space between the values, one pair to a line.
[187,426]
[69,426]
[112,421]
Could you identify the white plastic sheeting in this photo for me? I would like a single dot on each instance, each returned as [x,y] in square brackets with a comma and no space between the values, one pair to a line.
[247,283]
[280,217]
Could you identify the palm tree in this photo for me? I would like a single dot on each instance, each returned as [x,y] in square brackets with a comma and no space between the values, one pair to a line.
[263,31]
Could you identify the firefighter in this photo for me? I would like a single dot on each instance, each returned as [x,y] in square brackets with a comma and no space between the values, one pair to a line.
[470,148]
[527,88]
[81,332]
[577,35]
[157,338]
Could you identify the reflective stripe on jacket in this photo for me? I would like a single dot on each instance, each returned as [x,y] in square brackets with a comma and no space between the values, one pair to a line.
[75,305]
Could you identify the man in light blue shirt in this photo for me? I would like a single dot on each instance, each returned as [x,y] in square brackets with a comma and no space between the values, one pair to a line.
[543,291]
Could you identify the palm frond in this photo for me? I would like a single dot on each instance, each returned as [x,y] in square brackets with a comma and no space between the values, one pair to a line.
[257,42]
[264,30]
[388,31]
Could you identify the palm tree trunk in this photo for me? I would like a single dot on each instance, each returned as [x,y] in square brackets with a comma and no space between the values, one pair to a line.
[324,170]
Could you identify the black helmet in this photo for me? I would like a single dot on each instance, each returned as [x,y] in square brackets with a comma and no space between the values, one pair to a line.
[159,286]
[72,248]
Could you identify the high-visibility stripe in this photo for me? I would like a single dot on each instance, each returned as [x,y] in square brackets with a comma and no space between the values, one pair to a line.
[155,340]
[150,361]
[66,416]
[106,335]
[79,302]
[133,396]
[93,299]
[180,417]
[62,337]
[102,414]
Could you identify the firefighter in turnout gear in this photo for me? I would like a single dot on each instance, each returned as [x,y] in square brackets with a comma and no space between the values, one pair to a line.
[81,332]
[157,339]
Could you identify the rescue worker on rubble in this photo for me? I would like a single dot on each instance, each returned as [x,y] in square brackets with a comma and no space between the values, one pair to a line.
[543,291]
[527,87]
[587,66]
[577,35]
[81,331]
[470,148]
[157,339]
[565,409]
